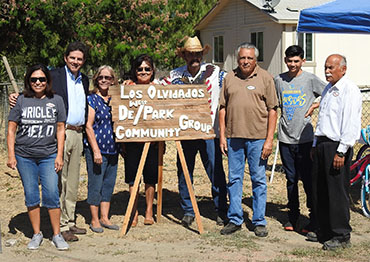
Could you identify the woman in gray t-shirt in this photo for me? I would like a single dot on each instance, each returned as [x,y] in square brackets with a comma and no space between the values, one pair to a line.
[35,148]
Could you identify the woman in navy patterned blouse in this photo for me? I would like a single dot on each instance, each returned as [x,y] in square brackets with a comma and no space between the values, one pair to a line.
[101,150]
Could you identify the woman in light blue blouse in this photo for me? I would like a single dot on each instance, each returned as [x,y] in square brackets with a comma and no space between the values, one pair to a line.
[101,150]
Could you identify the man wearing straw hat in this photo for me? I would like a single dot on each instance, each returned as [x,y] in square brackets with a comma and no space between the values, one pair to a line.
[196,72]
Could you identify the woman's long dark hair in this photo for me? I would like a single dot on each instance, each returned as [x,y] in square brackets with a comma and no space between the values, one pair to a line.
[28,92]
[136,63]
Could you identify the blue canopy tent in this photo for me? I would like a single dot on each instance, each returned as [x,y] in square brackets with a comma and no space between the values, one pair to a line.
[340,16]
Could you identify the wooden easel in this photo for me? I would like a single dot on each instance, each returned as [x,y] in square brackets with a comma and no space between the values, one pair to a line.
[159,189]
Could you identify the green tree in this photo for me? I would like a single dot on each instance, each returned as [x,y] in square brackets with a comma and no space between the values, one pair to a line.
[114,30]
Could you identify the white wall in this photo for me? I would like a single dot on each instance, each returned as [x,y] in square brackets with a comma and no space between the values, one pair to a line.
[226,23]
[356,48]
[238,19]
[236,22]
[353,46]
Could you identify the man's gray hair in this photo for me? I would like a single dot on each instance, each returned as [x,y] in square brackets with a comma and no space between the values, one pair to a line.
[248,46]
[343,61]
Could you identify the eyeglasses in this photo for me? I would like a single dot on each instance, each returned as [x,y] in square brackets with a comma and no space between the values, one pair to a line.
[109,78]
[34,79]
[146,69]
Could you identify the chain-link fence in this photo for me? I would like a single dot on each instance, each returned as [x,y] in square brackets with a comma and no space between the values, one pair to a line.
[364,121]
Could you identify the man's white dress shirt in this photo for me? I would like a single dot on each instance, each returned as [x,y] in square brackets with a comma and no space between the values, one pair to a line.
[340,114]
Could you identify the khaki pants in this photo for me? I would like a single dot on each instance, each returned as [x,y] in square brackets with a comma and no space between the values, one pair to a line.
[70,179]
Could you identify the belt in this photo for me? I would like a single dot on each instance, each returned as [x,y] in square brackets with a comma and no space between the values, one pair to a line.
[78,129]
[321,139]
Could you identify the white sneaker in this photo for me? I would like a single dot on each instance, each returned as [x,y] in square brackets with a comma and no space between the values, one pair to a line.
[59,242]
[36,241]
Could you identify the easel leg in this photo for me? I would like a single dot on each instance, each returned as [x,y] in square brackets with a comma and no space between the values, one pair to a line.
[190,187]
[135,189]
[160,180]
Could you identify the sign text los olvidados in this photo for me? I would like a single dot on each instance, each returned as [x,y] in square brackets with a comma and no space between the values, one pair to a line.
[144,113]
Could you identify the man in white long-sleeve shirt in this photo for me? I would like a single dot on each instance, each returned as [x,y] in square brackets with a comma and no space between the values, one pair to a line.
[337,130]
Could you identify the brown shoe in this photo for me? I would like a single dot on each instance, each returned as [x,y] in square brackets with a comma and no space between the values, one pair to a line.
[69,236]
[77,230]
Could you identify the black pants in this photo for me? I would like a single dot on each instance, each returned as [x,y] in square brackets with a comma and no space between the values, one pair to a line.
[134,151]
[297,165]
[330,188]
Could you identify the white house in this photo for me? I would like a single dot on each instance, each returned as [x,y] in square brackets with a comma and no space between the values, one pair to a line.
[231,22]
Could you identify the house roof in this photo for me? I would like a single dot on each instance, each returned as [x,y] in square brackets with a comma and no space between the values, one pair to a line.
[287,11]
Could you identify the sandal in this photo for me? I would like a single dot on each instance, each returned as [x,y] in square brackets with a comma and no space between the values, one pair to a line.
[149,221]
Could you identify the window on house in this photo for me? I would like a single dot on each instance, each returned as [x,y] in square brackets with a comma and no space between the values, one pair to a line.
[305,41]
[257,40]
[218,49]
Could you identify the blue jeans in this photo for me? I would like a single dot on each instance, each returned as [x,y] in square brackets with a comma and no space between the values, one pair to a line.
[31,170]
[211,157]
[101,178]
[297,165]
[238,150]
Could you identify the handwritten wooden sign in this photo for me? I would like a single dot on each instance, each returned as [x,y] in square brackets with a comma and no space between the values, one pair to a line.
[143,113]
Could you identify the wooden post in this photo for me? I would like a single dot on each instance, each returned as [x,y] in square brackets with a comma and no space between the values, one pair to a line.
[190,187]
[135,189]
[160,180]
[1,249]
[12,80]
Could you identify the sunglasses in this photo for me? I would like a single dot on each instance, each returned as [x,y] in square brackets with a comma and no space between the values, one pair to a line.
[34,79]
[146,69]
[109,78]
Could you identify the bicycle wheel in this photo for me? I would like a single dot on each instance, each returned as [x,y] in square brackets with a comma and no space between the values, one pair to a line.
[364,150]
[365,193]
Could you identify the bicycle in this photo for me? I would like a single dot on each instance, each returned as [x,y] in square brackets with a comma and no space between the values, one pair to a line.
[362,171]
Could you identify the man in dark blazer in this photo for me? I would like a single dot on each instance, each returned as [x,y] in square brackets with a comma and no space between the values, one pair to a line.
[73,86]
[59,77]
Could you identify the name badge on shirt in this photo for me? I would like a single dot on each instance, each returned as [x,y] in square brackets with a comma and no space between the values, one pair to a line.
[251,87]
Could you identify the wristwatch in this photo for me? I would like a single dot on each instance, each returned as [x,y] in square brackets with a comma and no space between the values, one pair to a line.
[340,154]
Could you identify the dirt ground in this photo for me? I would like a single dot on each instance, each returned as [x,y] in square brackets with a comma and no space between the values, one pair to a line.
[168,240]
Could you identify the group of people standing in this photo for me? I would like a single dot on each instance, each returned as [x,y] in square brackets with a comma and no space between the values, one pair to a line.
[47,124]
[248,104]
[321,159]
